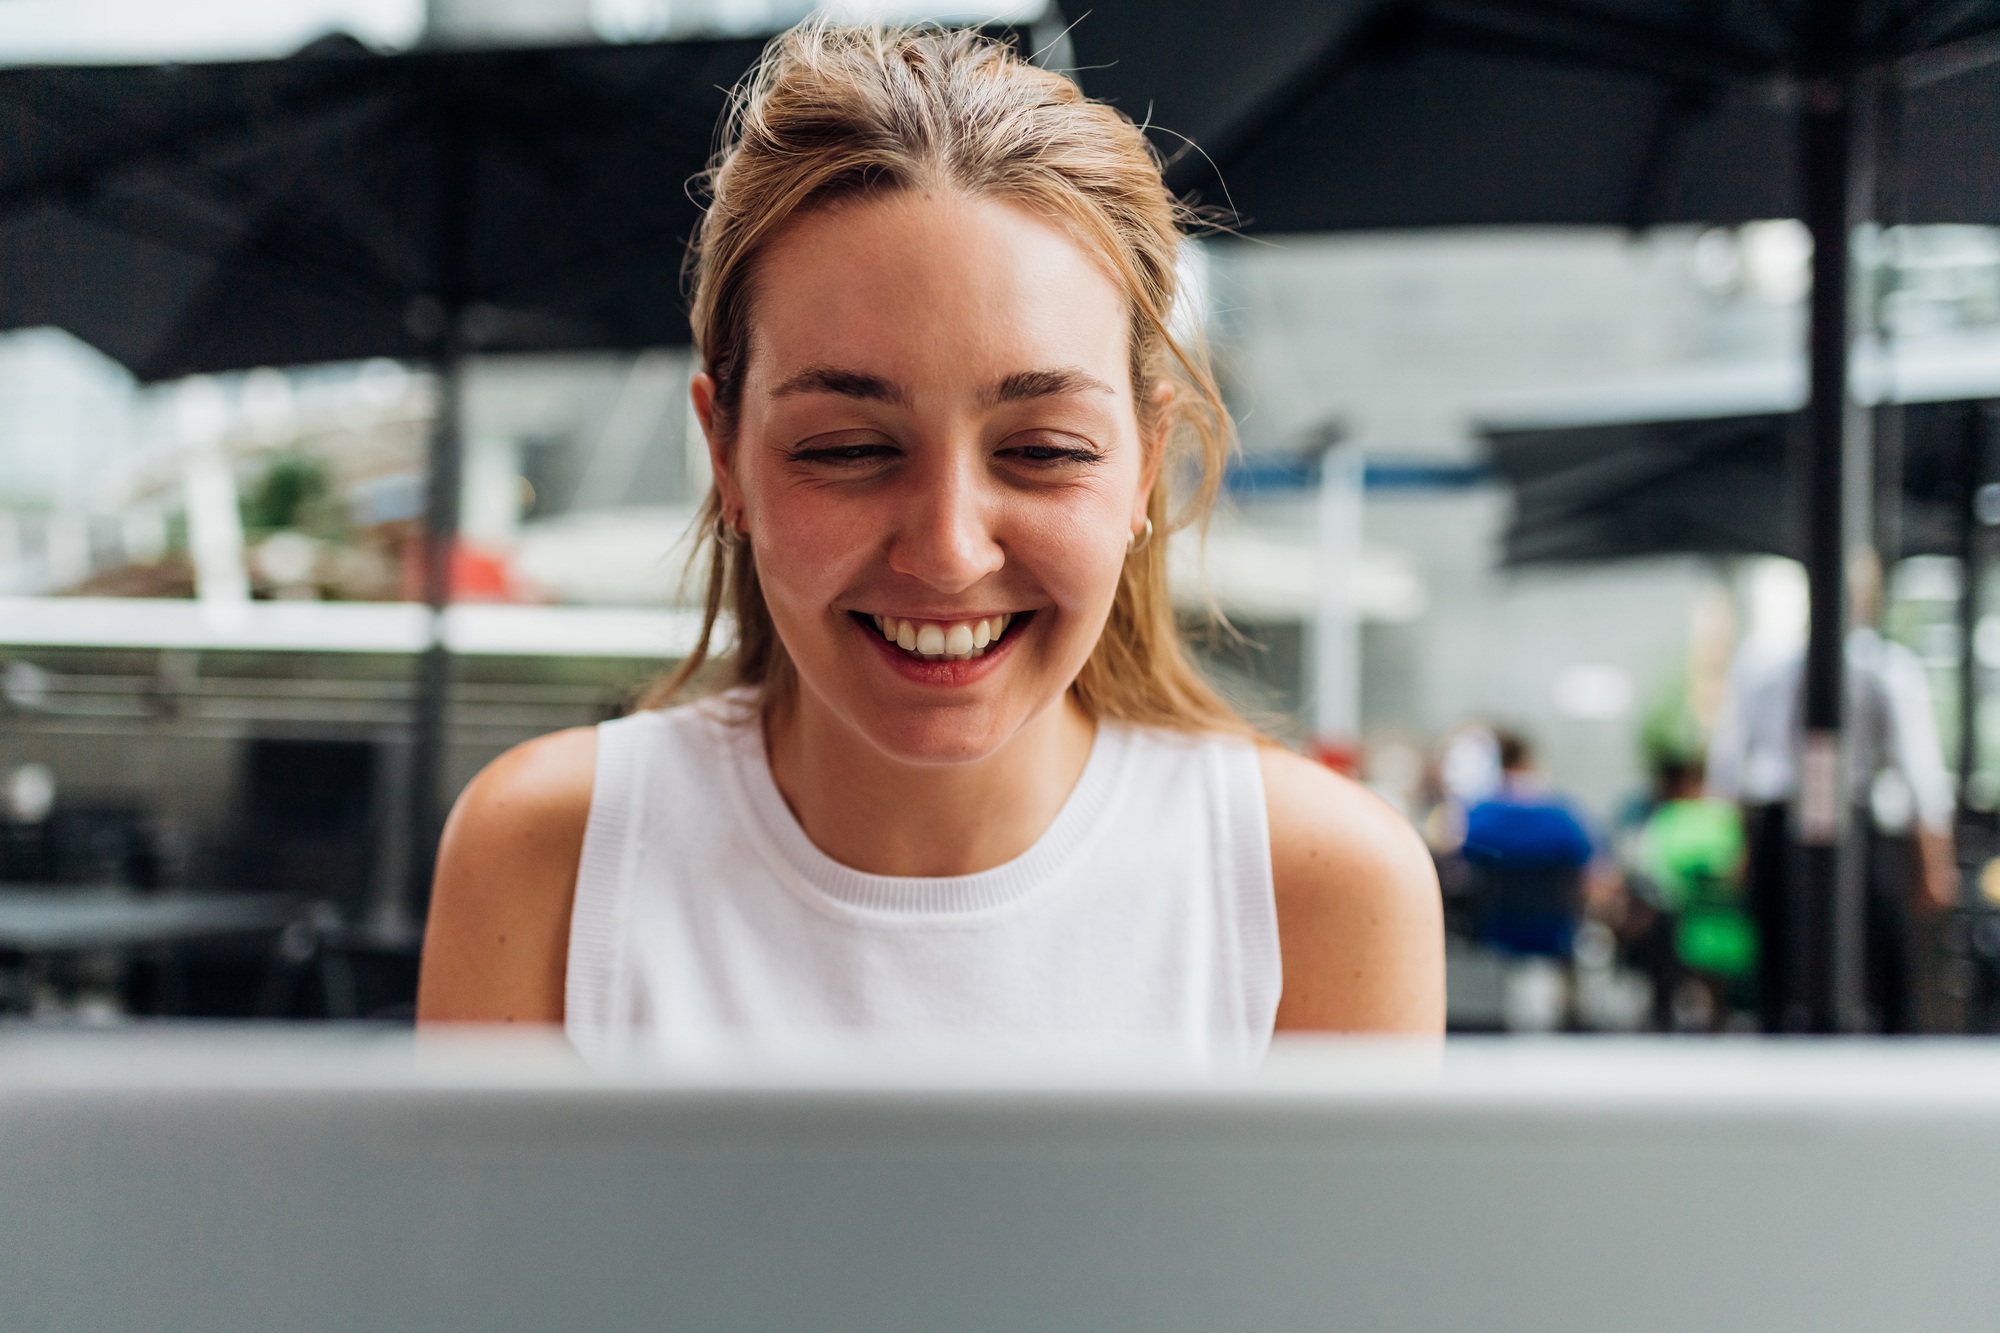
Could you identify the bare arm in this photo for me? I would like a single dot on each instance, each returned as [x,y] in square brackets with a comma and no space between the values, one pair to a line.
[1360,921]
[1938,859]
[496,949]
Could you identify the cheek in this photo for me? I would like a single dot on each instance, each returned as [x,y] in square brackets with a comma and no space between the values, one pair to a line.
[1075,551]
[808,541]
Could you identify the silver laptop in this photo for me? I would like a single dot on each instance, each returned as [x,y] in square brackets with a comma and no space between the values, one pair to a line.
[317,1181]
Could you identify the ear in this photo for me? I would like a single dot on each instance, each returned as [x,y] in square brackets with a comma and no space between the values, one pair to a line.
[701,387]
[1155,448]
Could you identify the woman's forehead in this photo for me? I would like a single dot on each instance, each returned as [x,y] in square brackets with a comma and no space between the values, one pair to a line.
[923,288]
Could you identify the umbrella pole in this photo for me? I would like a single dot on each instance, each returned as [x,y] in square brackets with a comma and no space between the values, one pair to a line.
[431,739]
[431,733]
[1820,963]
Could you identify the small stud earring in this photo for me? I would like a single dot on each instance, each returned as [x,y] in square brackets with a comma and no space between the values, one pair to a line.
[1140,540]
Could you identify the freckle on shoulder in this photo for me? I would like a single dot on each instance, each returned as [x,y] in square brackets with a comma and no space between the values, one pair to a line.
[1322,822]
[550,773]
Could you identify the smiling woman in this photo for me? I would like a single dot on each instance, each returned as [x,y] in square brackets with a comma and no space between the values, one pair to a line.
[965,784]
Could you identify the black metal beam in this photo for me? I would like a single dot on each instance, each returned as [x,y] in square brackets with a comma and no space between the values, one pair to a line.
[1973,52]
[1938,21]
[1834,155]
[1972,472]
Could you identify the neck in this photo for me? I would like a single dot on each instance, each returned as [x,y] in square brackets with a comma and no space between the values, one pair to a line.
[883,816]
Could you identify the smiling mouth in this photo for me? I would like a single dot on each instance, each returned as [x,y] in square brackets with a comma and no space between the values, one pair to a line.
[943,640]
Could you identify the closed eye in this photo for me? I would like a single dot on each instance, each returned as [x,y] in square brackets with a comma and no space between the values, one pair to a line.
[868,451]
[1053,451]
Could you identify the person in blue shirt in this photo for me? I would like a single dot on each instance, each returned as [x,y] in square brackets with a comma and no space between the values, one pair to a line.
[1531,852]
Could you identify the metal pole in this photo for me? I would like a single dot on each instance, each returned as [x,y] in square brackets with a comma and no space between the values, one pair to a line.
[431,733]
[1974,826]
[1817,954]
[431,736]
[1971,474]
[1847,998]
[1971,827]
[1887,420]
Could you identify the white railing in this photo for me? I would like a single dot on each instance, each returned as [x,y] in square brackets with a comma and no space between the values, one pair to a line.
[346,627]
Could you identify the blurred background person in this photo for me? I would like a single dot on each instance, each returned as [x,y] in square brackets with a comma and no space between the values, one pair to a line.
[1532,862]
[1897,779]
[1690,855]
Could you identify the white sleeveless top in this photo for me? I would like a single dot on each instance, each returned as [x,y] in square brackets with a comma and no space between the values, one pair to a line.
[704,914]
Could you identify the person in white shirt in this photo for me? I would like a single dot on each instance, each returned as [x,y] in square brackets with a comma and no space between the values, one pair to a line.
[965,783]
[1897,781]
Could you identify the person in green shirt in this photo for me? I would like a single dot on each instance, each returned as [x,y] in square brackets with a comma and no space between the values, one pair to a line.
[1691,850]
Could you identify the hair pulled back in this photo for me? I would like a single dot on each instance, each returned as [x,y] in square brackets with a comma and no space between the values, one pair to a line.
[833,112]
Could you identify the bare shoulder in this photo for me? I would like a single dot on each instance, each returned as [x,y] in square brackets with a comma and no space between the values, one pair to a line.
[496,947]
[1360,923]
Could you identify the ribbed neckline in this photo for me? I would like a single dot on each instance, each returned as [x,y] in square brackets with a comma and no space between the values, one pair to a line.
[813,872]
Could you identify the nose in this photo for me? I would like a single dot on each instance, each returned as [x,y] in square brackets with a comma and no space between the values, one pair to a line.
[945,529]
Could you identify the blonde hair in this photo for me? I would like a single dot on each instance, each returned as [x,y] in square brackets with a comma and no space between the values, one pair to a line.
[836,112]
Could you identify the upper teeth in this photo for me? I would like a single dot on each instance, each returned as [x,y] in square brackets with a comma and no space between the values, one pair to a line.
[953,641]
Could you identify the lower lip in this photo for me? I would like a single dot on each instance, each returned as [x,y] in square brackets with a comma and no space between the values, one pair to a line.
[913,668]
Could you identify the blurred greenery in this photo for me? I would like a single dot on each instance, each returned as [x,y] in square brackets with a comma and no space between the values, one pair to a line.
[295,493]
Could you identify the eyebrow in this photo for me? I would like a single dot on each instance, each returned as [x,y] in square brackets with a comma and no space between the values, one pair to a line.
[1026,384]
[1021,386]
[846,383]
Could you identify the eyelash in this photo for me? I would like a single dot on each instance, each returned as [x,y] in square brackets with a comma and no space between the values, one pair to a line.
[845,453]
[864,453]
[1052,453]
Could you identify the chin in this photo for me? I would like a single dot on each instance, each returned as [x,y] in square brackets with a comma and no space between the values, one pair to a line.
[937,734]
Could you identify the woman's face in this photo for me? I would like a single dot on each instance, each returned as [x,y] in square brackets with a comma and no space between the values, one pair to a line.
[937,462]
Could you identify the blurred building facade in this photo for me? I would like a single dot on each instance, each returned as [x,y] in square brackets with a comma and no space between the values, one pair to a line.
[1399,346]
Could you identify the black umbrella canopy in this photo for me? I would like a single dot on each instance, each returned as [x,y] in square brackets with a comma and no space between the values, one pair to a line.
[1591,493]
[1421,113]
[188,218]
[336,204]
[1722,486]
